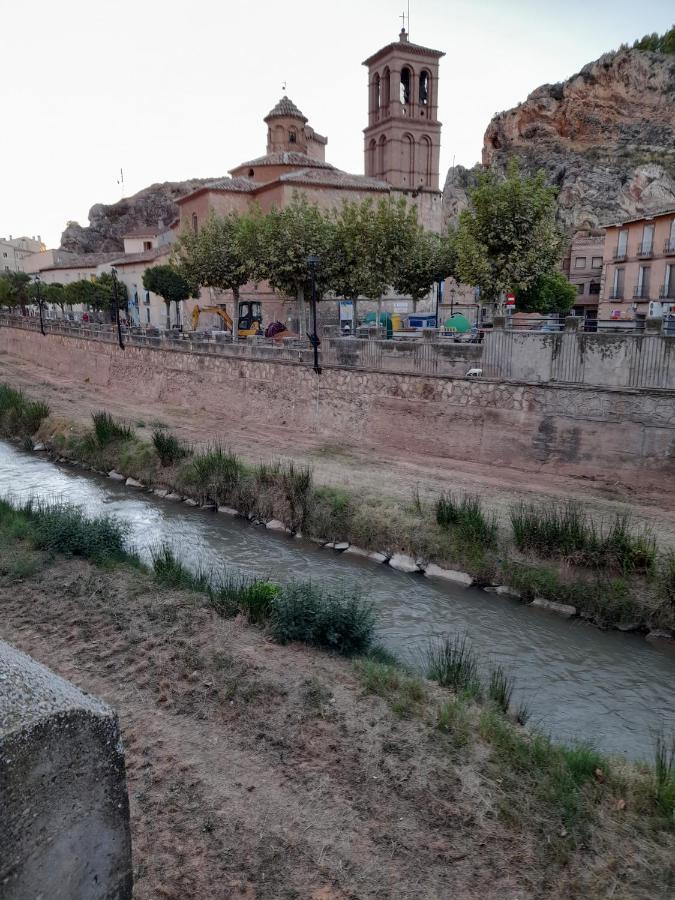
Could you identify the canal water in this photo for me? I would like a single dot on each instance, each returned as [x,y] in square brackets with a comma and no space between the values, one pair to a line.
[580,683]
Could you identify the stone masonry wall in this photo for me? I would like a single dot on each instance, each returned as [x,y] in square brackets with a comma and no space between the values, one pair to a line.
[623,434]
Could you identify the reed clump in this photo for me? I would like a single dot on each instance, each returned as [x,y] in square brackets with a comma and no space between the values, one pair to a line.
[464,514]
[168,448]
[108,430]
[19,416]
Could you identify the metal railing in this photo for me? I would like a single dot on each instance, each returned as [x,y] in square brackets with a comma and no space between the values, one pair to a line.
[619,254]
[669,247]
[640,292]
[645,250]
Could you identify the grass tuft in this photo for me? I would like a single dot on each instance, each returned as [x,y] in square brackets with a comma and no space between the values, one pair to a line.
[404,692]
[500,688]
[170,572]
[107,429]
[466,517]
[215,473]
[453,664]
[664,775]
[169,449]
[19,416]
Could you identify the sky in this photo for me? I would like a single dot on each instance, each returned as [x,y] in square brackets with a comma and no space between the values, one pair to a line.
[167,90]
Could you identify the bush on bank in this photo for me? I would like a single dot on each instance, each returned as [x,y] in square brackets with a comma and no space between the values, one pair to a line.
[613,576]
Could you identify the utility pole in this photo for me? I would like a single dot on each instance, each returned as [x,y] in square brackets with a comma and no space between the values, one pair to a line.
[39,301]
[314,337]
[113,272]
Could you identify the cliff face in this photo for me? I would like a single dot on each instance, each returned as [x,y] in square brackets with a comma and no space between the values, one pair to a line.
[107,224]
[605,137]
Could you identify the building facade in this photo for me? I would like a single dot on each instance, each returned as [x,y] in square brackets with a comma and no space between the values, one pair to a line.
[14,251]
[583,267]
[639,260]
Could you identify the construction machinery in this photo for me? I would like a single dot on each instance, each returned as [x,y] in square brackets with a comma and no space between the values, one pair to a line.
[250,317]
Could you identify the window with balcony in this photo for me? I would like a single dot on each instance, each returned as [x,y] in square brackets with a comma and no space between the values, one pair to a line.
[580,262]
[670,240]
[667,292]
[617,286]
[594,288]
[647,246]
[641,291]
[622,244]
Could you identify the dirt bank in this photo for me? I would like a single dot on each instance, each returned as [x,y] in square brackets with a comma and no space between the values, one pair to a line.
[361,469]
[262,771]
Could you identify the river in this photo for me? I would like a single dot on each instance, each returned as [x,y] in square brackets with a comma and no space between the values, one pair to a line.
[580,683]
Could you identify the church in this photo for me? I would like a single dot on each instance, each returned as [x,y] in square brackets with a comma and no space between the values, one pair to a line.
[402,142]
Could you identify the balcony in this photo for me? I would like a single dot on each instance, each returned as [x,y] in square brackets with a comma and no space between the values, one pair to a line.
[645,251]
[616,295]
[620,253]
[667,293]
[669,247]
[641,292]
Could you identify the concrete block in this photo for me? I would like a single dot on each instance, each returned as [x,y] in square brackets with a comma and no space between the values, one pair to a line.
[116,476]
[358,551]
[160,492]
[563,609]
[175,498]
[434,571]
[228,511]
[403,563]
[132,482]
[341,546]
[65,811]
[190,502]
[276,525]
[378,557]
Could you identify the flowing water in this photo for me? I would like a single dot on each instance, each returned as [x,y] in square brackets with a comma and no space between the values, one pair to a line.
[580,683]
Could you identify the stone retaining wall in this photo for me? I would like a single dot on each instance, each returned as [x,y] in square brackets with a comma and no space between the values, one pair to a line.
[620,434]
[65,811]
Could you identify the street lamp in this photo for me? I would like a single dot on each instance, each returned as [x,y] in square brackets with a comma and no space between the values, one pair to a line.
[113,273]
[440,281]
[312,262]
[39,301]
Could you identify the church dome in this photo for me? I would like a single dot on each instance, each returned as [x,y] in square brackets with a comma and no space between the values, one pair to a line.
[287,109]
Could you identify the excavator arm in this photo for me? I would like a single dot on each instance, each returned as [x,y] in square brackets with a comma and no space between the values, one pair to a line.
[218,310]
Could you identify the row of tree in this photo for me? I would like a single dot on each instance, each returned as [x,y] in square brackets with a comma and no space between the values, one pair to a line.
[506,241]
[18,290]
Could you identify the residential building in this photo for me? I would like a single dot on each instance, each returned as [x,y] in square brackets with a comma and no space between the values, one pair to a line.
[639,259]
[14,251]
[583,268]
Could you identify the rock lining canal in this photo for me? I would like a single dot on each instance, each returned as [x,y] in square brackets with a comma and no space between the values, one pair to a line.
[580,683]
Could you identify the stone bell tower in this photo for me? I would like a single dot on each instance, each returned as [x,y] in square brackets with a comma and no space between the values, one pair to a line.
[403,137]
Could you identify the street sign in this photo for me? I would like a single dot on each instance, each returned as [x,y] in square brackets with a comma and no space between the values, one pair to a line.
[510,300]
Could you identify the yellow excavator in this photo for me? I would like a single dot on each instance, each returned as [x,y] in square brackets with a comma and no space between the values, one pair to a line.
[250,317]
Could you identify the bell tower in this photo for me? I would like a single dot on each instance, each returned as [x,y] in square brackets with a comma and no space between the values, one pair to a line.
[403,137]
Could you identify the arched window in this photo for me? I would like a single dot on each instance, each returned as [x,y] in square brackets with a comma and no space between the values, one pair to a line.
[377,88]
[382,157]
[251,173]
[385,88]
[195,223]
[425,88]
[292,136]
[425,160]
[372,158]
[406,82]
[408,159]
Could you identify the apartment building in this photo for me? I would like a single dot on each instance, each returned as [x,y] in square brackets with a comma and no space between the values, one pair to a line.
[583,268]
[639,259]
[13,252]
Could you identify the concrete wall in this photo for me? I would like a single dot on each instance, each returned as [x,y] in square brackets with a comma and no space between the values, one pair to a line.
[65,811]
[622,434]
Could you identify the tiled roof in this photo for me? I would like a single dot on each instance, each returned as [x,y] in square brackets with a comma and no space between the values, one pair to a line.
[237,184]
[285,107]
[335,178]
[648,214]
[148,231]
[286,158]
[84,261]
[145,256]
[406,47]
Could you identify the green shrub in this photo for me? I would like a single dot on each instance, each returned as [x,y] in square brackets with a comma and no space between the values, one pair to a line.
[331,515]
[169,449]
[465,516]
[453,664]
[67,529]
[20,417]
[664,775]
[297,487]
[665,578]
[216,473]
[403,690]
[256,599]
[341,621]
[107,429]
[453,720]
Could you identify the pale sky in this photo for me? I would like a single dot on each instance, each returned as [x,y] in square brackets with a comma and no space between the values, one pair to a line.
[169,89]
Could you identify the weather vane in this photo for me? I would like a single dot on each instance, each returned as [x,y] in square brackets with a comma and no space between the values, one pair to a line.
[283,87]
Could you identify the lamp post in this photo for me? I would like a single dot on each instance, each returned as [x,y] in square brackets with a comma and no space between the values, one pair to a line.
[312,262]
[440,281]
[452,302]
[113,273]
[39,301]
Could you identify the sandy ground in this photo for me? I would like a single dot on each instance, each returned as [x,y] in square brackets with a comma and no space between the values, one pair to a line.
[260,771]
[338,463]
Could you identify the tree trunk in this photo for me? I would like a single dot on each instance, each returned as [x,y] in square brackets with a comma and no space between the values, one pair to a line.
[355,318]
[301,310]
[235,315]
[168,313]
[179,314]
[379,314]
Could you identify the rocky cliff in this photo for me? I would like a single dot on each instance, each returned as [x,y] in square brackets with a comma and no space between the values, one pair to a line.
[605,137]
[107,224]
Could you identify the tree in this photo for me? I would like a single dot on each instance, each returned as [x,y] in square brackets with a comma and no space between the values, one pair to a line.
[170,285]
[217,256]
[55,294]
[551,293]
[14,289]
[430,258]
[508,238]
[80,293]
[104,291]
[287,238]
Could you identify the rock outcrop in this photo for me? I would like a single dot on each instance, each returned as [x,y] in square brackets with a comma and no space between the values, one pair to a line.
[605,137]
[107,224]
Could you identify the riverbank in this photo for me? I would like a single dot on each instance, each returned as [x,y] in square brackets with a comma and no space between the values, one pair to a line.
[611,574]
[274,771]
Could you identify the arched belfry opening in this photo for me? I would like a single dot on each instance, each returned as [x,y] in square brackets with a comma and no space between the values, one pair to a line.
[403,136]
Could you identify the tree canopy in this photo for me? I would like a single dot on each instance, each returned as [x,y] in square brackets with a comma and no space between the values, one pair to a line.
[169,284]
[549,294]
[14,289]
[508,238]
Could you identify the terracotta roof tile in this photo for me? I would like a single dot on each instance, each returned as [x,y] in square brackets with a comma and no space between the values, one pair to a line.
[335,178]
[285,107]
[286,158]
